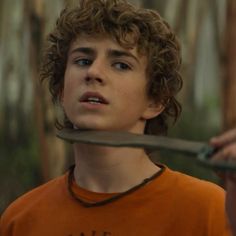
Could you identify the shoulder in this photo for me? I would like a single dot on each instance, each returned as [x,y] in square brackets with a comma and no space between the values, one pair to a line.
[194,190]
[193,184]
[49,189]
[35,199]
[199,201]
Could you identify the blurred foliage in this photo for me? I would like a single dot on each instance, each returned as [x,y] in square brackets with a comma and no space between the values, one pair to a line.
[19,169]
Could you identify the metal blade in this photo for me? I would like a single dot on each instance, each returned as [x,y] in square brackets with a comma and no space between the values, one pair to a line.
[125,139]
[200,150]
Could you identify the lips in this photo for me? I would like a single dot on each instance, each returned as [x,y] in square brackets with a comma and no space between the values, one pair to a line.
[93,98]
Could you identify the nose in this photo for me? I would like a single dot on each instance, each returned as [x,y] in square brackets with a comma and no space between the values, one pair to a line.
[96,73]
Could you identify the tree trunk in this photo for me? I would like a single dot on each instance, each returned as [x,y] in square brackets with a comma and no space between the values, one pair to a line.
[51,150]
[229,88]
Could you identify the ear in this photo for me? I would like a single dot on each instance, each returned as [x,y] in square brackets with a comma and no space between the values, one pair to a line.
[153,110]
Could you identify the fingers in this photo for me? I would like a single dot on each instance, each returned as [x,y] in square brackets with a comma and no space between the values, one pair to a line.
[226,153]
[225,138]
[226,145]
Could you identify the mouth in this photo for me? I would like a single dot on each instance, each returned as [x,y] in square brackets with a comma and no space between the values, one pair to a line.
[93,98]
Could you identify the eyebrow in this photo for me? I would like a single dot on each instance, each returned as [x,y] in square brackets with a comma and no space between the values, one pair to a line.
[85,50]
[120,53]
[111,53]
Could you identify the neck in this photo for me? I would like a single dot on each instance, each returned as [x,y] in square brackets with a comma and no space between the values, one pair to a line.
[106,169]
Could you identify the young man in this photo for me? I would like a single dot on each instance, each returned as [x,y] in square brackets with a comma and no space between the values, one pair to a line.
[114,67]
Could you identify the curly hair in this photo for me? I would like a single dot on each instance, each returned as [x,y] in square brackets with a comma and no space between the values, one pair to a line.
[119,20]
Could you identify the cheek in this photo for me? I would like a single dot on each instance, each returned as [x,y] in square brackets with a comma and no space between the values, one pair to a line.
[69,79]
[69,91]
[71,82]
[138,93]
[133,96]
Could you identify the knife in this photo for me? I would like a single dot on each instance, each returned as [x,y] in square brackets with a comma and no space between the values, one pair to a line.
[201,150]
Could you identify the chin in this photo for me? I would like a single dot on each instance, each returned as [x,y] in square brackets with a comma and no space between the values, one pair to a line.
[83,126]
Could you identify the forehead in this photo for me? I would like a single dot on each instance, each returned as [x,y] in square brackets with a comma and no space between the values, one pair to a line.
[98,42]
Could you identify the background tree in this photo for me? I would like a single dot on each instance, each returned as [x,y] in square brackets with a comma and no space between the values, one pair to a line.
[229,82]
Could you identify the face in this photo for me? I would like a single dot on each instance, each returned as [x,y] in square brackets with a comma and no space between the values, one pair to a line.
[105,86]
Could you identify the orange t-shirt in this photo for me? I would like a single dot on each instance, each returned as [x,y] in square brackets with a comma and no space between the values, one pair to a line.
[172,204]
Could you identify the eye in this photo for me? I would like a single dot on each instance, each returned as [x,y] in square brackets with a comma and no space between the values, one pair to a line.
[121,66]
[83,62]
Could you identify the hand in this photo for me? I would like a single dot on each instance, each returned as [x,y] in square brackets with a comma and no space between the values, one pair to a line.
[226,143]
